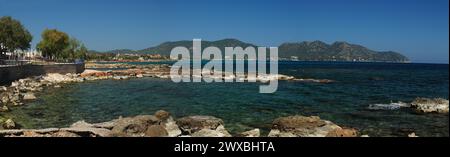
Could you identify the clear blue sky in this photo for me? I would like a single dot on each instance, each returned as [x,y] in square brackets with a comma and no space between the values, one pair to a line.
[417,28]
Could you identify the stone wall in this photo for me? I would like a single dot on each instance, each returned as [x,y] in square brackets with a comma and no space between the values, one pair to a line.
[10,74]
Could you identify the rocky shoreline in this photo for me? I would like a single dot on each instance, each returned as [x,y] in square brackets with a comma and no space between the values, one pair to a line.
[24,89]
[420,105]
[162,124]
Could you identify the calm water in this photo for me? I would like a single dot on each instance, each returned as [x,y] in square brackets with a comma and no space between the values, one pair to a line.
[240,105]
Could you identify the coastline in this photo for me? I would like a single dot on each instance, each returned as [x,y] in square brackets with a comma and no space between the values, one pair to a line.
[162,124]
[23,90]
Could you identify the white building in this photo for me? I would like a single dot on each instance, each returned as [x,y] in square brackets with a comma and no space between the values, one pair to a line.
[29,54]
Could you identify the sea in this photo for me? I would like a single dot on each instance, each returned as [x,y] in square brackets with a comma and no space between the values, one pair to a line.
[345,102]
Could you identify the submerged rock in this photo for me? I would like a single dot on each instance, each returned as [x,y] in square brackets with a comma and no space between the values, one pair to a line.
[426,105]
[301,126]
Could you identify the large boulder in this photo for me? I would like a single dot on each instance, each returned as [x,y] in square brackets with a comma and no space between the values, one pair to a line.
[343,133]
[193,124]
[171,127]
[156,131]
[134,126]
[425,105]
[301,126]
[161,114]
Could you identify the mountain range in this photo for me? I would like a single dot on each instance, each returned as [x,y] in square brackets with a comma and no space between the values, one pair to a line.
[302,51]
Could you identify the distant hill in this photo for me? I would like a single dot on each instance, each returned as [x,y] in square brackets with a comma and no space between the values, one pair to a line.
[338,51]
[165,48]
[303,51]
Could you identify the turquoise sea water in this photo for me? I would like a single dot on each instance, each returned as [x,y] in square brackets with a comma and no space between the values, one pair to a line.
[242,108]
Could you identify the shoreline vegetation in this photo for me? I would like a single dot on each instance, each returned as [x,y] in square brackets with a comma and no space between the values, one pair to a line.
[162,124]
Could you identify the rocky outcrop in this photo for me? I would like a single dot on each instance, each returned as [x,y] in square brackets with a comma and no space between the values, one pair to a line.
[301,126]
[162,124]
[138,126]
[425,105]
[192,124]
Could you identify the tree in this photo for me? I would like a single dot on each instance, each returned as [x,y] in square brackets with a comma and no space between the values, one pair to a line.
[53,44]
[74,50]
[82,52]
[13,35]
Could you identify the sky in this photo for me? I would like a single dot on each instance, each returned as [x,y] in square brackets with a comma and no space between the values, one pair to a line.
[418,29]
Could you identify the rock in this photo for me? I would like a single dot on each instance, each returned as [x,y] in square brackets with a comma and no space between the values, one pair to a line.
[4,98]
[29,96]
[106,125]
[161,114]
[300,126]
[89,132]
[365,136]
[64,134]
[192,124]
[81,124]
[9,124]
[412,135]
[391,106]
[85,129]
[4,109]
[220,131]
[134,126]
[343,133]
[120,77]
[426,105]
[31,134]
[56,78]
[3,89]
[156,131]
[172,128]
[251,133]
[139,76]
